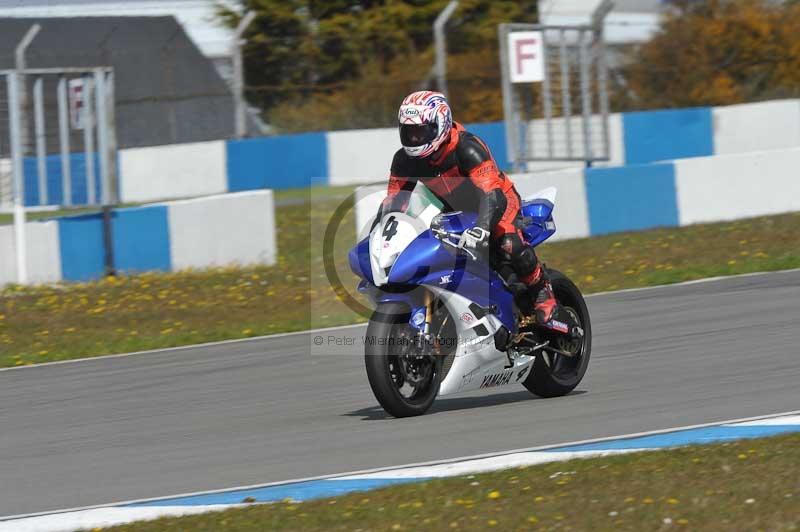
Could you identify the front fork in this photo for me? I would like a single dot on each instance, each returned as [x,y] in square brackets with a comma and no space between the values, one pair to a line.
[423,338]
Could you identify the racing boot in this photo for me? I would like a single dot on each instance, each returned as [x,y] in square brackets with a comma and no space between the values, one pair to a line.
[545,304]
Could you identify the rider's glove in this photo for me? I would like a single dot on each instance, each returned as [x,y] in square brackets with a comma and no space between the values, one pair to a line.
[473,238]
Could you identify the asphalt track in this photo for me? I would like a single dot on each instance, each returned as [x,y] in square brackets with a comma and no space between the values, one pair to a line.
[158,424]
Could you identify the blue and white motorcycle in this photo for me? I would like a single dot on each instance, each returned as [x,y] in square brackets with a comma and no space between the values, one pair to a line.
[446,322]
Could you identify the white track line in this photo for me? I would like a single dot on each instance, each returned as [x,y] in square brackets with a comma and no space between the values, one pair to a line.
[431,463]
[339,327]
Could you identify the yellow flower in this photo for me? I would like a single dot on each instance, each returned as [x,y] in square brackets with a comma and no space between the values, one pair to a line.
[532,519]
[672,501]
[491,522]
[494,494]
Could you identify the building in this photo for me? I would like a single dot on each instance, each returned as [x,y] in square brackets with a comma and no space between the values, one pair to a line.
[197,17]
[630,22]
[167,91]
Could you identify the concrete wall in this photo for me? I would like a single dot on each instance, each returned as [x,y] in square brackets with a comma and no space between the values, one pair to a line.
[230,229]
[361,155]
[597,201]
[364,156]
[737,186]
[756,127]
[44,258]
[221,230]
[287,161]
[571,210]
[174,171]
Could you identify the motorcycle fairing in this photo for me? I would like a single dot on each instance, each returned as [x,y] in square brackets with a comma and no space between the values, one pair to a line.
[443,269]
[537,217]
[476,364]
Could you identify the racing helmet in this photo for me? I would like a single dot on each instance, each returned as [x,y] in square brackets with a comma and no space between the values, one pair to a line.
[425,122]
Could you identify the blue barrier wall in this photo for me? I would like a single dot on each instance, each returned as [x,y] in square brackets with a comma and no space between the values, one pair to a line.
[141,239]
[650,136]
[54,177]
[287,161]
[295,161]
[81,241]
[494,135]
[140,236]
[629,198]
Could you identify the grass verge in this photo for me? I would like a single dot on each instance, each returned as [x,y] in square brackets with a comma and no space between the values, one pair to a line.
[156,310]
[745,485]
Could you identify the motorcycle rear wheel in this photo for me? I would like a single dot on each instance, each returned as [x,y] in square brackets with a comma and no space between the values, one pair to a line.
[389,359]
[555,375]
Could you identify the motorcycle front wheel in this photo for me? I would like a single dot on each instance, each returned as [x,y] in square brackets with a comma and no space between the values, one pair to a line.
[405,381]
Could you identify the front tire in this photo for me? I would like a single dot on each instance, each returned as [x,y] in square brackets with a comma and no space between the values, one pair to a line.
[387,328]
[556,375]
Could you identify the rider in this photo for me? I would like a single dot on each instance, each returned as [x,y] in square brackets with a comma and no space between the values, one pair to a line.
[459,169]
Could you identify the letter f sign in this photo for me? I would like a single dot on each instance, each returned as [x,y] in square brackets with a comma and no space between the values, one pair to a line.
[525,50]
[526,56]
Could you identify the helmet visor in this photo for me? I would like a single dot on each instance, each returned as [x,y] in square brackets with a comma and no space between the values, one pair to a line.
[413,135]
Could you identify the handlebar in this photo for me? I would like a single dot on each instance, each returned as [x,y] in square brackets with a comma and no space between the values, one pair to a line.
[444,237]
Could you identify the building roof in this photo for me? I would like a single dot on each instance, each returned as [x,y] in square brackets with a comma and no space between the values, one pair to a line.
[166,90]
[196,16]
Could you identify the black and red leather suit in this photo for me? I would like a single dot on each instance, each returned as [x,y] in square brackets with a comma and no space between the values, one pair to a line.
[464,176]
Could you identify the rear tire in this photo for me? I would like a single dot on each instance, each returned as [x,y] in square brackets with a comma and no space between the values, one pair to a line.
[566,372]
[380,355]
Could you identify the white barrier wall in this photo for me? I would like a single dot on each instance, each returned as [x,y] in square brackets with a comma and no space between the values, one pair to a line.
[361,156]
[364,156]
[730,187]
[756,126]
[223,230]
[537,131]
[571,213]
[44,254]
[173,171]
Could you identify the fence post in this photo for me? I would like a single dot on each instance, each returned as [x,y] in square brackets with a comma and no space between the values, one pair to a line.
[41,146]
[20,65]
[14,119]
[88,141]
[238,75]
[441,45]
[63,135]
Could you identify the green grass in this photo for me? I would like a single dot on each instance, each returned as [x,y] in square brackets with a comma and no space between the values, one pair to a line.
[742,486]
[7,219]
[155,310]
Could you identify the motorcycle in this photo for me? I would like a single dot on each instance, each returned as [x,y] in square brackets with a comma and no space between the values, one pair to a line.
[445,321]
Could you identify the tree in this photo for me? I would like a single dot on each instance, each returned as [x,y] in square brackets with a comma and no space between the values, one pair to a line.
[718,52]
[346,64]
